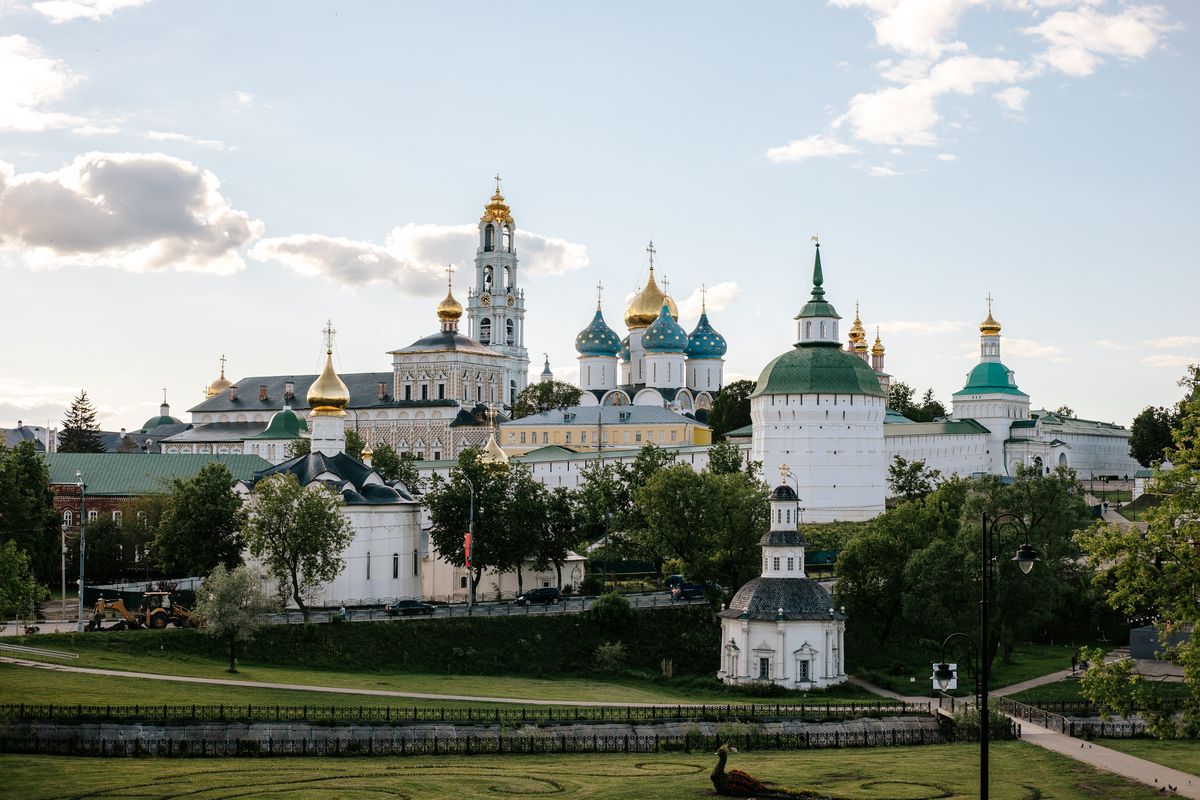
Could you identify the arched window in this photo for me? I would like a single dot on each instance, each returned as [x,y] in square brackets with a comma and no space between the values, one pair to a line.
[368,565]
[416,563]
[507,239]
[512,392]
[507,278]
[487,278]
[395,565]
[822,330]
[489,238]
[808,330]
[485,330]
[68,518]
[510,332]
[462,582]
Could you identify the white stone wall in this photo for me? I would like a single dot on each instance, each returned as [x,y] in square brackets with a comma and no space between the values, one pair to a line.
[705,374]
[951,454]
[597,372]
[832,443]
[820,643]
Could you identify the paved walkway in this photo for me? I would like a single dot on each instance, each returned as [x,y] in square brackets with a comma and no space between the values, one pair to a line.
[882,692]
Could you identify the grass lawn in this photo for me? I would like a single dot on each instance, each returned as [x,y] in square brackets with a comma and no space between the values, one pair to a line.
[43,685]
[1018,771]
[1181,754]
[907,669]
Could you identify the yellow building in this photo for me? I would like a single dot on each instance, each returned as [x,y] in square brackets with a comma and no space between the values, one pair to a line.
[589,428]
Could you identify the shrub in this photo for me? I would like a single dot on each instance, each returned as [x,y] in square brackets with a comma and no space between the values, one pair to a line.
[611,610]
[592,584]
[609,657]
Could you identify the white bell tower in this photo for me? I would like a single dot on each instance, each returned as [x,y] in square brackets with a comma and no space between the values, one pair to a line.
[496,303]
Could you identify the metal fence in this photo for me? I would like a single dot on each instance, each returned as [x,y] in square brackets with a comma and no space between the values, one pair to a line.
[459,745]
[1125,729]
[1085,708]
[398,715]
[1047,719]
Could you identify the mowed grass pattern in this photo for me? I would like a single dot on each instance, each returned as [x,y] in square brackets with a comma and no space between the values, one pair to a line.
[1019,772]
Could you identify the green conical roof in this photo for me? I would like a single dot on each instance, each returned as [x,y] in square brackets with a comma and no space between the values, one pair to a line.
[285,424]
[818,306]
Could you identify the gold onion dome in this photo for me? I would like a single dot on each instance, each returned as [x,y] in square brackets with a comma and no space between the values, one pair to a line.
[877,348]
[643,309]
[989,327]
[857,333]
[497,210]
[493,453]
[328,396]
[220,384]
[449,309]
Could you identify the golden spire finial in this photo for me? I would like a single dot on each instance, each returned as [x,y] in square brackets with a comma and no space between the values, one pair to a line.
[989,327]
[217,386]
[450,277]
[328,395]
[449,310]
[784,472]
[497,183]
[223,361]
[650,249]
[989,299]
[329,332]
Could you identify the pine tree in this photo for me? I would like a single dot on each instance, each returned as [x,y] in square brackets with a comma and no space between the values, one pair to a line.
[80,432]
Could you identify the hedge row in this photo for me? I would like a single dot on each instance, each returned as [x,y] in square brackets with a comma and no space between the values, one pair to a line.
[560,643]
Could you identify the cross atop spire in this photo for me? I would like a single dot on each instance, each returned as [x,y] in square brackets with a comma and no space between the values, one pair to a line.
[222,365]
[650,249]
[164,396]
[666,284]
[329,331]
[599,292]
[703,298]
[450,276]
[497,183]
[989,299]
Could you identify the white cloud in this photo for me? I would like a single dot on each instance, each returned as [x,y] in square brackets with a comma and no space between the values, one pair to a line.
[171,136]
[884,171]
[95,130]
[67,10]
[947,157]
[1114,346]
[922,327]
[1013,98]
[816,146]
[1170,360]
[1173,342]
[1077,40]
[31,80]
[916,27]
[243,98]
[413,257]
[1027,348]
[133,211]
[718,298]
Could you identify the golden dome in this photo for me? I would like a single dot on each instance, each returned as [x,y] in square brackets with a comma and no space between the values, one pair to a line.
[328,396]
[497,210]
[857,333]
[645,306]
[449,308]
[989,327]
[861,345]
[493,453]
[220,384]
[877,348]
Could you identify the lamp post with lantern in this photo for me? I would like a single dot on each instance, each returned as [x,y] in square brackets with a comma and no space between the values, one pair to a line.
[82,525]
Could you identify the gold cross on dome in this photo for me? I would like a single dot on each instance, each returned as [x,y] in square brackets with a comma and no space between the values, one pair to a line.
[450,275]
[497,182]
[666,284]
[222,363]
[703,297]
[650,249]
[989,299]
[329,332]
[783,472]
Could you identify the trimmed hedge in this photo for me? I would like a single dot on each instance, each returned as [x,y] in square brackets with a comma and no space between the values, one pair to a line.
[550,644]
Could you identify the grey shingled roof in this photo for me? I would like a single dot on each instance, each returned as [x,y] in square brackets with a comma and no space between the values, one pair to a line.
[800,598]
[611,415]
[308,467]
[219,432]
[446,341]
[363,386]
[782,539]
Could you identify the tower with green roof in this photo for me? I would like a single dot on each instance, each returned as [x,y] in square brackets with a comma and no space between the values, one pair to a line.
[991,396]
[817,412]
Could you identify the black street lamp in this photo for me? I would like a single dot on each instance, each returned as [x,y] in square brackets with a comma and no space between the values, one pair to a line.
[943,674]
[1025,557]
[82,522]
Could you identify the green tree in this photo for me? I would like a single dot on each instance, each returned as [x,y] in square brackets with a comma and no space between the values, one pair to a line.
[740,515]
[900,399]
[80,433]
[105,552]
[27,515]
[393,466]
[1150,435]
[731,407]
[232,604]
[200,527]
[1065,411]
[299,447]
[725,458]
[354,444]
[911,479]
[931,408]
[543,396]
[19,591]
[298,533]
[561,532]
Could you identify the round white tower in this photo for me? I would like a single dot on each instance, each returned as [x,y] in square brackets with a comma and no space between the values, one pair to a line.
[819,410]
[705,355]
[597,345]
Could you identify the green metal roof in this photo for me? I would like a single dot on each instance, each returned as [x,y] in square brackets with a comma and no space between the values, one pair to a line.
[127,474]
[818,368]
[745,430]
[891,417]
[957,427]
[152,423]
[285,424]
[990,377]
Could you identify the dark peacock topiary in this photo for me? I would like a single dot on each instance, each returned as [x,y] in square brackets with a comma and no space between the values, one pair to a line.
[736,783]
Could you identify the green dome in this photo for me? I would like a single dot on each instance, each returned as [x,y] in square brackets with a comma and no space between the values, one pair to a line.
[154,422]
[990,377]
[818,368]
[286,424]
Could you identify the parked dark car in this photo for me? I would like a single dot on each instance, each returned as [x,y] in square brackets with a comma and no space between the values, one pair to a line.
[684,590]
[545,595]
[408,608]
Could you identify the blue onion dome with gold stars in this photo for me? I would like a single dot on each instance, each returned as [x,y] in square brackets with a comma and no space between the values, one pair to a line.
[704,341]
[624,354]
[664,334]
[597,339]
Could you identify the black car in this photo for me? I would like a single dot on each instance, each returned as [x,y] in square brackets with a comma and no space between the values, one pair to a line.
[545,595]
[408,608]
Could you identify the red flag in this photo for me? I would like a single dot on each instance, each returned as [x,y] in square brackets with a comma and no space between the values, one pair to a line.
[467,547]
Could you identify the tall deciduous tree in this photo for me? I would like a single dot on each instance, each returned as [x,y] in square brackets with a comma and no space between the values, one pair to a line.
[80,433]
[232,603]
[393,466]
[27,515]
[901,400]
[543,396]
[911,479]
[19,591]
[354,443]
[201,526]
[561,532]
[298,534]
[731,407]
[1150,435]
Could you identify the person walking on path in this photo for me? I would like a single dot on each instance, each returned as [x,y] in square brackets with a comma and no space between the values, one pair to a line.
[1074,661]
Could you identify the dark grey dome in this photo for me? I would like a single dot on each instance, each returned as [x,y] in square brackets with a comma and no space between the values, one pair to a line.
[800,598]
[783,492]
[782,539]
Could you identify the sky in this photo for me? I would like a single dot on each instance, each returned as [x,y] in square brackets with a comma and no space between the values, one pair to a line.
[183,180]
